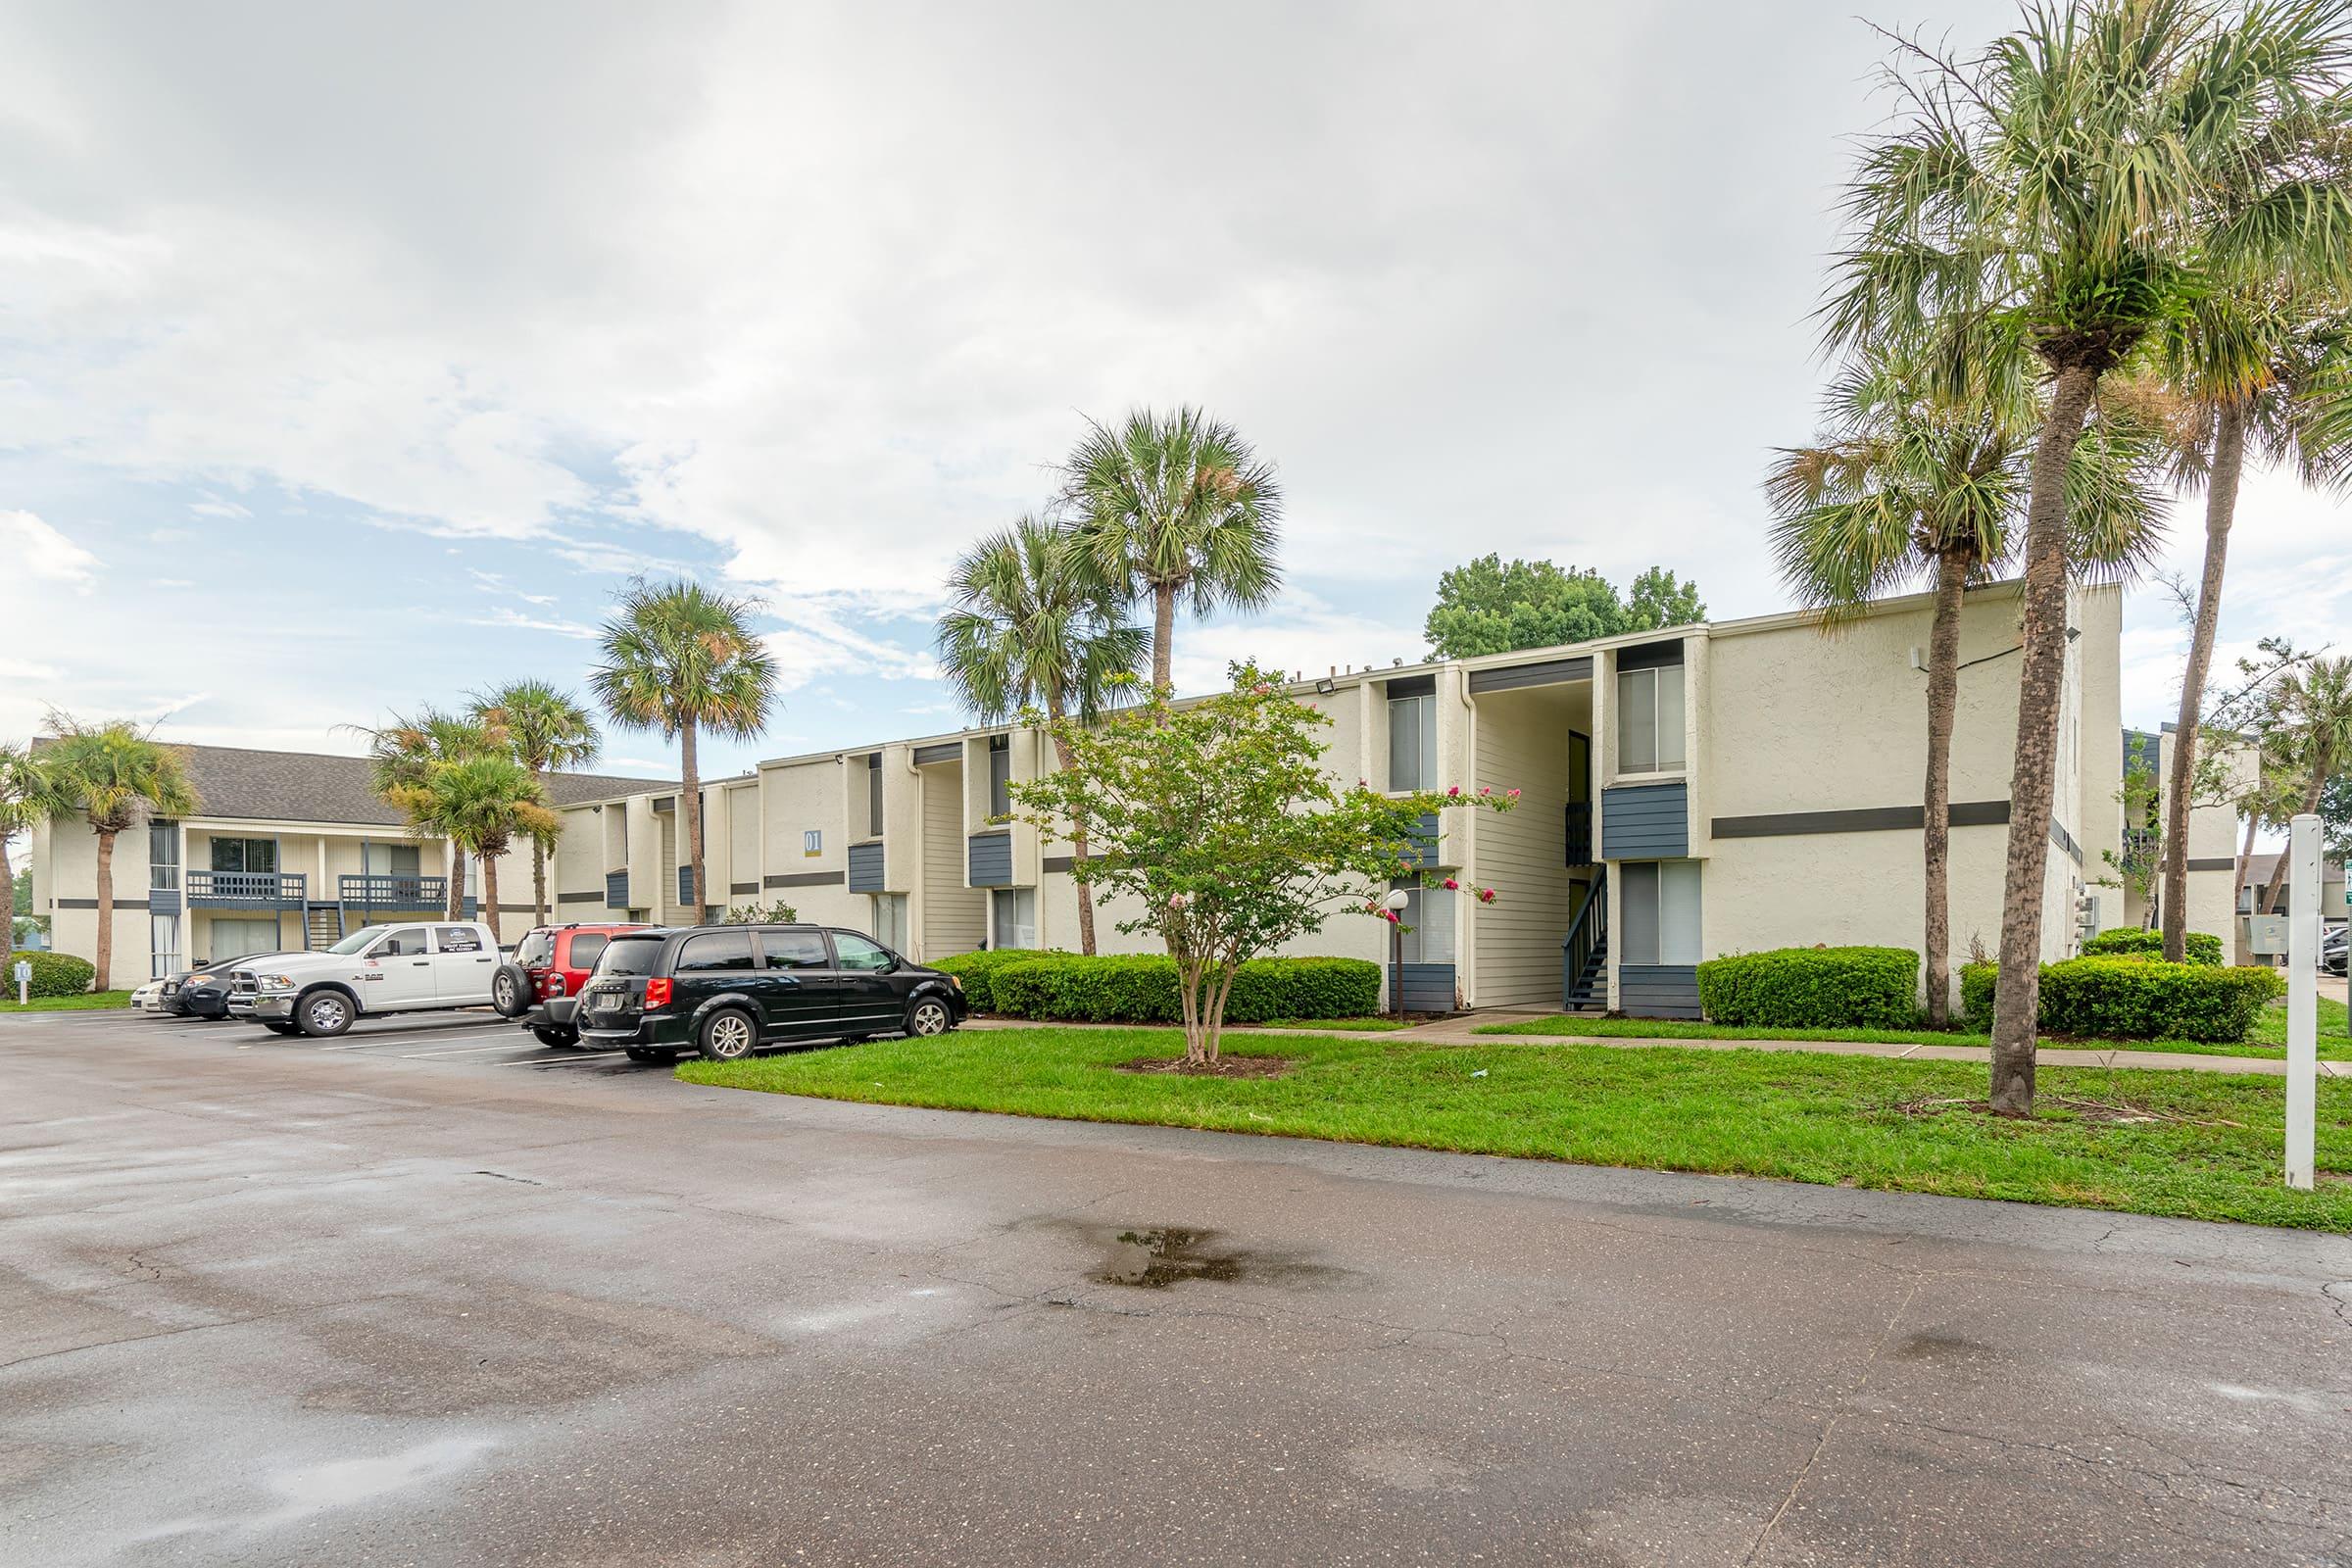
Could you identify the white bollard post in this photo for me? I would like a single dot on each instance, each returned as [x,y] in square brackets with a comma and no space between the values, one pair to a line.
[2302,995]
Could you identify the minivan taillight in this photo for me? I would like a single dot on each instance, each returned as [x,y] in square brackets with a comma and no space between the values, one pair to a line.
[656,993]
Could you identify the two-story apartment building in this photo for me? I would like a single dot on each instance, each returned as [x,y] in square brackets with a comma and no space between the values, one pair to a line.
[288,850]
[1701,790]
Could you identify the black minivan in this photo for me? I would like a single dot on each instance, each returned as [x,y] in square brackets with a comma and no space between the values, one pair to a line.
[726,990]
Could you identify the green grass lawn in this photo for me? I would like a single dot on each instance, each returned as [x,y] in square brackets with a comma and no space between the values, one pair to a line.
[1357,1026]
[87,999]
[1811,1118]
[2268,1040]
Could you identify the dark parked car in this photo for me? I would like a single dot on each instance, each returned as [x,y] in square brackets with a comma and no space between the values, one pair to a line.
[202,991]
[541,986]
[727,990]
[2331,950]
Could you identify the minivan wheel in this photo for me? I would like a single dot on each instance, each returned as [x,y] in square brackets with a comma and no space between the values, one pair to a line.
[728,1036]
[928,1016]
[323,1013]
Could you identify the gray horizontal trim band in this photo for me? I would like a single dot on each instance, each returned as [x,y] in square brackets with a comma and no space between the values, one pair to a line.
[2225,864]
[944,752]
[138,903]
[743,887]
[1550,672]
[1651,656]
[803,880]
[579,897]
[1860,820]
[2066,841]
[1413,686]
[1060,862]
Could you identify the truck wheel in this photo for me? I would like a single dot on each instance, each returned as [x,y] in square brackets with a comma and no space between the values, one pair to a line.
[929,1016]
[511,991]
[556,1036]
[728,1034]
[325,1012]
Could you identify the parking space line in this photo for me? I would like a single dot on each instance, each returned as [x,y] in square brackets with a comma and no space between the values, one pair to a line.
[407,1042]
[572,1061]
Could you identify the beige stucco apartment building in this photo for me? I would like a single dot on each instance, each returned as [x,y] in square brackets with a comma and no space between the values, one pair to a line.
[1703,790]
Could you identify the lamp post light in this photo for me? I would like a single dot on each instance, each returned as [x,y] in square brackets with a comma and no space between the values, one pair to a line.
[1395,903]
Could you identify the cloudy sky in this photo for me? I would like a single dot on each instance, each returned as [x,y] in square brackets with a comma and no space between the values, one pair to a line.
[350,357]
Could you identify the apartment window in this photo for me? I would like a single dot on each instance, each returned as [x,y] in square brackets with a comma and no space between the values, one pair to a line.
[1658,912]
[163,937]
[162,859]
[1013,918]
[244,855]
[812,842]
[874,795]
[1412,743]
[1649,719]
[390,860]
[1000,775]
[1428,913]
[890,921]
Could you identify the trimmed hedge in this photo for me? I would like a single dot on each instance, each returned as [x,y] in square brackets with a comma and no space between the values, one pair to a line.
[1813,988]
[975,970]
[53,974]
[1142,988]
[2106,997]
[2137,942]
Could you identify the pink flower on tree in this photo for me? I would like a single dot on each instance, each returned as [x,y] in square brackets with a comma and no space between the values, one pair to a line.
[1510,795]
[1451,884]
[1486,789]
[1486,895]
[1453,792]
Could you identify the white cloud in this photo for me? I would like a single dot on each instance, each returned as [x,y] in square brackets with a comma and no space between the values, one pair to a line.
[505,616]
[38,552]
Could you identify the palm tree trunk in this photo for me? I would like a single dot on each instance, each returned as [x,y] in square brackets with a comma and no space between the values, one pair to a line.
[2322,765]
[1163,638]
[106,911]
[457,881]
[1086,894]
[692,784]
[8,898]
[2220,509]
[2032,784]
[538,883]
[1943,691]
[490,893]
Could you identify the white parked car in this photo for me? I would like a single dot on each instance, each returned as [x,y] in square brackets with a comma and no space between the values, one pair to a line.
[148,998]
[377,968]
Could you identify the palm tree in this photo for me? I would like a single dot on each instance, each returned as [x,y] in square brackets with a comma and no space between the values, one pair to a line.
[115,776]
[1908,485]
[2056,192]
[26,792]
[481,803]
[546,730]
[403,754]
[2316,705]
[683,660]
[1034,624]
[1172,507]
[2264,364]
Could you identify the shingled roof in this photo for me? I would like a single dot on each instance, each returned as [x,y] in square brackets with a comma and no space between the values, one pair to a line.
[311,787]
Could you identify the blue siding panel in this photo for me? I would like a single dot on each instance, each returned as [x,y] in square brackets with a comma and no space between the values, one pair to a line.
[1645,823]
[1425,841]
[1427,987]
[989,858]
[1658,991]
[616,889]
[866,869]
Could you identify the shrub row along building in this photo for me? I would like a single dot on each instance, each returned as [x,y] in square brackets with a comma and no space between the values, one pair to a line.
[1707,789]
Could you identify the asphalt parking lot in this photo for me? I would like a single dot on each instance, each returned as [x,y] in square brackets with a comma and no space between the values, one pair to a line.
[471,1036]
[424,1295]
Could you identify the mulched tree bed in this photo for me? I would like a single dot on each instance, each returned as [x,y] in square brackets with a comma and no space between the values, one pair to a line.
[1222,1067]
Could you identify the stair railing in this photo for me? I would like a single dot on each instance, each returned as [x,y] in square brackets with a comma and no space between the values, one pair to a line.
[1588,937]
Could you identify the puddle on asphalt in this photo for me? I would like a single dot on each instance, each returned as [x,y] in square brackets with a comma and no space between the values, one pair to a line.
[1158,1259]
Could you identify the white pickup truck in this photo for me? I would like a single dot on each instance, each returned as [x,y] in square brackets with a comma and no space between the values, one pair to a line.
[379,968]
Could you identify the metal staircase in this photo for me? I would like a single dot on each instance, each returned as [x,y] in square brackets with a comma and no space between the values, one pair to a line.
[1585,952]
[323,925]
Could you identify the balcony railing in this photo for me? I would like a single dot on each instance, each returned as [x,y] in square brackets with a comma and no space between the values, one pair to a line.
[377,891]
[279,890]
[1580,834]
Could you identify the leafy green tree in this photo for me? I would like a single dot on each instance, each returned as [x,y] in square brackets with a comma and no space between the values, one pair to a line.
[1490,606]
[116,776]
[1034,624]
[683,660]
[2315,707]
[26,794]
[1176,507]
[403,754]
[546,730]
[2056,193]
[481,803]
[1218,822]
[1910,483]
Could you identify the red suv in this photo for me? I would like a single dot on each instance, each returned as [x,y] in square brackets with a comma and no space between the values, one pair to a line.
[549,967]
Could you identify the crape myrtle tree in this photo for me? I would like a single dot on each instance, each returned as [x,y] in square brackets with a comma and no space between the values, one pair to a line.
[2057,190]
[1217,824]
